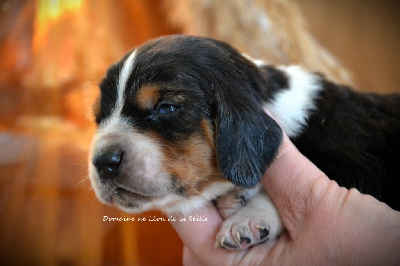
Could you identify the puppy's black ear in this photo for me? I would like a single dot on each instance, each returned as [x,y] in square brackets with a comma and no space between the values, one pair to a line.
[247,141]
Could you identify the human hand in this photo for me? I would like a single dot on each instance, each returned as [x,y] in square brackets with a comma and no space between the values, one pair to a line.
[325,224]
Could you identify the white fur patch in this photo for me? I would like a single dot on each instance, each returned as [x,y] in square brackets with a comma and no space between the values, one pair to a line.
[115,121]
[291,107]
[122,80]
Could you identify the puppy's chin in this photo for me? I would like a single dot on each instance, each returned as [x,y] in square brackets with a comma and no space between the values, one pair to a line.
[127,200]
[131,202]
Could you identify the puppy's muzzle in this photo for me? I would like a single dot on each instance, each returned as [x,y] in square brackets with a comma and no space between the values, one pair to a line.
[108,164]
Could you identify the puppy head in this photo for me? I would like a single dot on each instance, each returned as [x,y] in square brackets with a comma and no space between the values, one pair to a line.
[177,117]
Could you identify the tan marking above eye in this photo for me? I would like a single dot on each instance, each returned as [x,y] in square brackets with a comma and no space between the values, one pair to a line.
[148,97]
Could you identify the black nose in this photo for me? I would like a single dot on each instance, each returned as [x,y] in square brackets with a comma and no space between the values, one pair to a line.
[108,164]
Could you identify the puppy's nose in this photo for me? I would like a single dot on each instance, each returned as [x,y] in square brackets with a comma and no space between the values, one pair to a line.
[108,164]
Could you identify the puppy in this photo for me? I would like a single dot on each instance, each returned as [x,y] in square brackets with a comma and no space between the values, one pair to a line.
[181,122]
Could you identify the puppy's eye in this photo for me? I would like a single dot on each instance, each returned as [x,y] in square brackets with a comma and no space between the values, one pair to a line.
[167,108]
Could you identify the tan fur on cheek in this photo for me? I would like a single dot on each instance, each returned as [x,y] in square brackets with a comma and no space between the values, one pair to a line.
[192,163]
[148,97]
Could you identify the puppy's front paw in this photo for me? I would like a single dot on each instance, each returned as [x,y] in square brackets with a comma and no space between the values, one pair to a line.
[234,200]
[256,223]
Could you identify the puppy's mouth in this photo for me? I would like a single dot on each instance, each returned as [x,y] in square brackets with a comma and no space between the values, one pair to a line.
[131,198]
[127,199]
[124,192]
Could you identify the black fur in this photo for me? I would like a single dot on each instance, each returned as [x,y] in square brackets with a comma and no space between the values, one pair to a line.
[247,142]
[224,86]
[354,138]
[216,83]
[108,92]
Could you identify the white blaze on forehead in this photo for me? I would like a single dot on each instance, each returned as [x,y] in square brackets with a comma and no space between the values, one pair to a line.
[115,122]
[123,80]
[291,107]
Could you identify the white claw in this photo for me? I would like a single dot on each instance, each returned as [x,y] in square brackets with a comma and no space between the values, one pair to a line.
[238,236]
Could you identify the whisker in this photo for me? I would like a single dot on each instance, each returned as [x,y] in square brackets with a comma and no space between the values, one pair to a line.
[82,181]
[81,164]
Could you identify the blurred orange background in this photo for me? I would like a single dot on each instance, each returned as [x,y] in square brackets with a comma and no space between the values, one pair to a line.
[53,53]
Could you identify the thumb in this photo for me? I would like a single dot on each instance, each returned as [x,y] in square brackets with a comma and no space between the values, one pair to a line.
[295,185]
